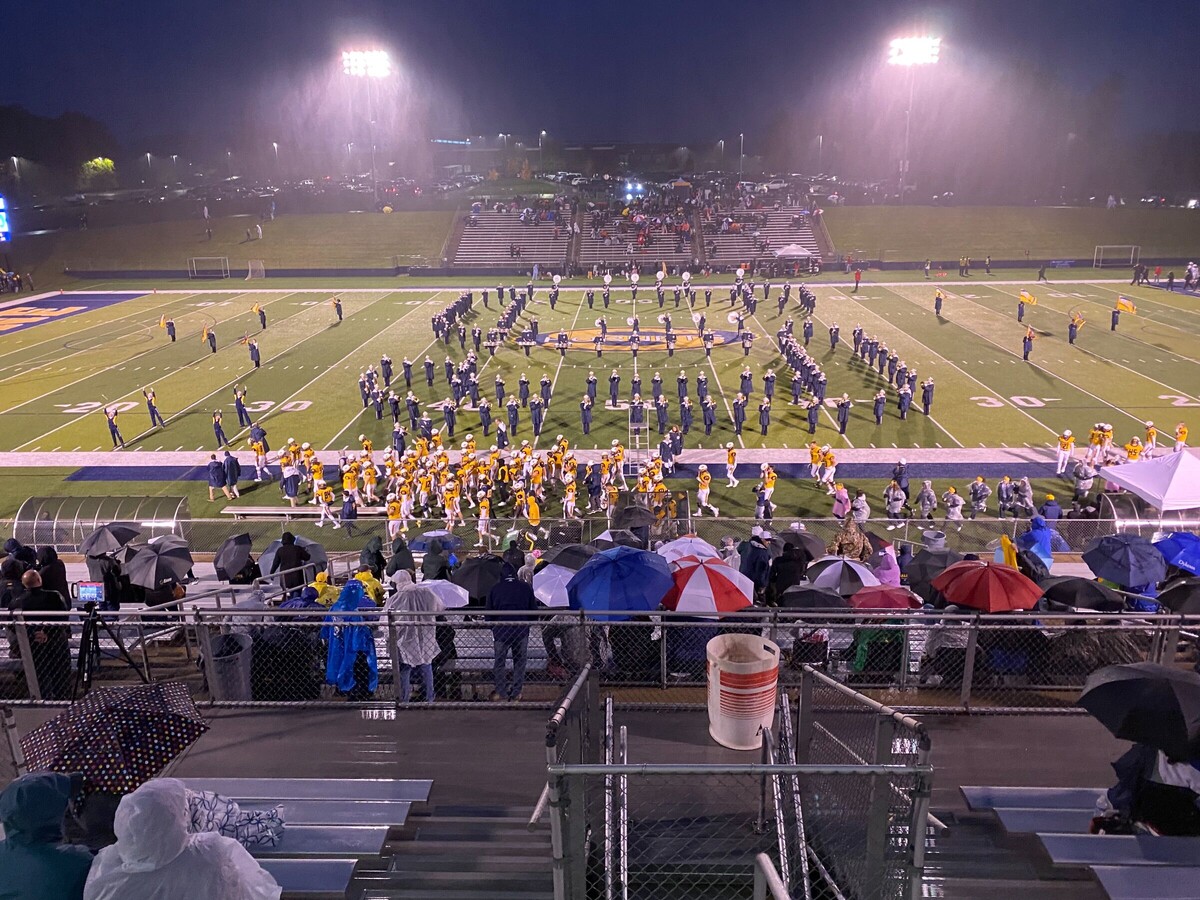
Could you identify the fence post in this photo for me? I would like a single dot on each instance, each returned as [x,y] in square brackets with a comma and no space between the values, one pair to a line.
[662,653]
[906,634]
[31,679]
[205,641]
[964,696]
[881,788]
[1169,642]
[394,652]
[560,865]
[919,824]
[804,717]
[9,723]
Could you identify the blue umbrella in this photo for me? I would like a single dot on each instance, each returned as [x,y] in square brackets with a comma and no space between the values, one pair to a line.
[449,541]
[1126,559]
[621,578]
[1182,550]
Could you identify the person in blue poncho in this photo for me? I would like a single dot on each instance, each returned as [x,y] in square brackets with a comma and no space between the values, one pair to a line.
[34,862]
[351,664]
[1038,540]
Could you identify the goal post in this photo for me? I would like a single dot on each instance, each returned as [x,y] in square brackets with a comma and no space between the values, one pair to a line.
[256,268]
[208,267]
[1121,255]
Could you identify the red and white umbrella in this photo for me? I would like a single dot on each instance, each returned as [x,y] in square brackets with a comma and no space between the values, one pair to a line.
[708,587]
[688,545]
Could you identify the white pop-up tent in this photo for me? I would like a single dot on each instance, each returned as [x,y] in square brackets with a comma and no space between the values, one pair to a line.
[1168,482]
[793,251]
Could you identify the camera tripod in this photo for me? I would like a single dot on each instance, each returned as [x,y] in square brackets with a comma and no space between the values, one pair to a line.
[89,650]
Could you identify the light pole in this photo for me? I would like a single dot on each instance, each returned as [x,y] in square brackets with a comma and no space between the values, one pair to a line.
[275,144]
[820,151]
[741,153]
[721,144]
[541,158]
[149,168]
[175,165]
[910,53]
[371,65]
[229,162]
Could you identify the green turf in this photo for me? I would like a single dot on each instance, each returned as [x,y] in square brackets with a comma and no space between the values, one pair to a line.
[56,376]
[291,241]
[895,233]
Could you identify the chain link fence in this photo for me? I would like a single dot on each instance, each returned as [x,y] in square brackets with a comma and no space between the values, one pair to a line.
[207,535]
[912,661]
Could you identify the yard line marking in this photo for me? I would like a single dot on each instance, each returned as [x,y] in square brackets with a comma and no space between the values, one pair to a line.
[989,389]
[170,418]
[1082,349]
[94,373]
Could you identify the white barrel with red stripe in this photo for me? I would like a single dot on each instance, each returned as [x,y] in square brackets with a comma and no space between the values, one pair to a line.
[743,679]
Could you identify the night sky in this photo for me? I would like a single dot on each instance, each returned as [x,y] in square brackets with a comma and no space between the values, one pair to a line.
[624,71]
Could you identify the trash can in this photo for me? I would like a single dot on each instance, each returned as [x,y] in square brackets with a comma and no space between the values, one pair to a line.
[743,679]
[934,540]
[229,669]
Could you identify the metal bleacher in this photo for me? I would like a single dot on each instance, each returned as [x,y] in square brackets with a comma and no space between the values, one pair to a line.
[1127,867]
[739,246]
[593,250]
[487,243]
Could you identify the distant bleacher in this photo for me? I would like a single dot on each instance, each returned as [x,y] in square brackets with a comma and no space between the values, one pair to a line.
[613,242]
[488,242]
[743,242]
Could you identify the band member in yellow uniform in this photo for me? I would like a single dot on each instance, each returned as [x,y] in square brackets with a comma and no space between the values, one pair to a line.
[324,496]
[703,489]
[1133,450]
[1151,439]
[1066,448]
[730,465]
[1181,436]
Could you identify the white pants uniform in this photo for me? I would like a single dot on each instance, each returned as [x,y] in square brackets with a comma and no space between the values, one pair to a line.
[393,528]
[733,482]
[1064,461]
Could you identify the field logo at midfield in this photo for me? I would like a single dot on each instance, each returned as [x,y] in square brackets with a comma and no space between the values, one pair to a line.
[51,308]
[618,339]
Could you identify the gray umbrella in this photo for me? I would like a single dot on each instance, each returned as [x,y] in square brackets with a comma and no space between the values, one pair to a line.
[108,539]
[158,564]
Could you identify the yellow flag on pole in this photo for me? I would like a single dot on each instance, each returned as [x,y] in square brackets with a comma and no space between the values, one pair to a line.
[1124,304]
[1029,298]
[162,322]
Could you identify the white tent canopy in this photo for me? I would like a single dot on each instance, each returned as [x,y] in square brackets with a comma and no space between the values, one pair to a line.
[1168,482]
[793,251]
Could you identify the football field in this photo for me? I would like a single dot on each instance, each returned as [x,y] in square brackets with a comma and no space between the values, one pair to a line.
[63,357]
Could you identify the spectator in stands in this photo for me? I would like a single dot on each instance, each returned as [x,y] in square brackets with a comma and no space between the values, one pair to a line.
[34,862]
[789,569]
[513,555]
[326,593]
[50,644]
[436,563]
[1152,790]
[416,637]
[289,559]
[525,573]
[155,855]
[372,556]
[755,560]
[371,584]
[53,571]
[401,559]
[513,596]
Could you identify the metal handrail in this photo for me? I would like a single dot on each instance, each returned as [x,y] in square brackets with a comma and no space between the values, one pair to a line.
[780,824]
[787,746]
[609,823]
[767,882]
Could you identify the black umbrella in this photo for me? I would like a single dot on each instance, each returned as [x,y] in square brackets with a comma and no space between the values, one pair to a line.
[1148,704]
[633,517]
[317,557]
[232,556]
[479,574]
[108,539]
[159,564]
[805,596]
[1032,566]
[118,737]
[1082,593]
[618,537]
[927,564]
[810,542]
[569,556]
[1182,597]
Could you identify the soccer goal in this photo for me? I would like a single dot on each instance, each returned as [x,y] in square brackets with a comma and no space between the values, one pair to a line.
[256,269]
[1121,255]
[208,267]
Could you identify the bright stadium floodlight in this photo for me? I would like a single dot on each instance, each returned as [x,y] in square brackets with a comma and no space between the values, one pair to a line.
[366,63]
[910,53]
[914,51]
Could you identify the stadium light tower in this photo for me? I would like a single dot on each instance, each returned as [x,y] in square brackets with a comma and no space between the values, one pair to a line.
[911,53]
[741,152]
[370,65]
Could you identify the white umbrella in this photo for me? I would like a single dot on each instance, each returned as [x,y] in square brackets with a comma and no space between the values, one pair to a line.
[688,545]
[451,595]
[708,587]
[550,585]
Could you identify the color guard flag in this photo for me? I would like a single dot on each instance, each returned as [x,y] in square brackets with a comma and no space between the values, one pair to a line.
[162,322]
[1029,298]
[1124,304]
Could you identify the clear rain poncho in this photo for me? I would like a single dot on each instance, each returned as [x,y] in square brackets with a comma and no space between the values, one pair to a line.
[156,858]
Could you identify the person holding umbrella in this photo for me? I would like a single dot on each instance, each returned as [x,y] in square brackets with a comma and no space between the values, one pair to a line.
[512,596]
[288,560]
[49,644]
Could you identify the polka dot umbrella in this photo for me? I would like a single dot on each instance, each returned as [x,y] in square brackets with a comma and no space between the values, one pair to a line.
[118,737]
